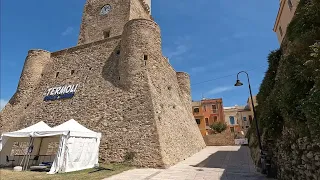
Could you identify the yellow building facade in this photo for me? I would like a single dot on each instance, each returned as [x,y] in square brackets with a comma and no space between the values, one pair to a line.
[238,118]
[285,14]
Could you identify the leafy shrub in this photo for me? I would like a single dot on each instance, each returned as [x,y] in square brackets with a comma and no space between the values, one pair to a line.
[218,127]
[307,17]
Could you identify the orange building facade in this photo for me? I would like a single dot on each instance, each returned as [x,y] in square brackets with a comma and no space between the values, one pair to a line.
[206,112]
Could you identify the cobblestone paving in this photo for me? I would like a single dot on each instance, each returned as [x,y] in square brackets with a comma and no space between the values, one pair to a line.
[212,163]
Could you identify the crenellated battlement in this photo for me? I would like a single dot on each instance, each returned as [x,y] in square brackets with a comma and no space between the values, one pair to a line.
[36,51]
[145,6]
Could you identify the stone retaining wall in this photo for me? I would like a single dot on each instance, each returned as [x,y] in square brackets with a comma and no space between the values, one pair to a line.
[225,138]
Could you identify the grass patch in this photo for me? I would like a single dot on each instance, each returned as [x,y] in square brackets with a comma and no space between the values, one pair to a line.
[78,175]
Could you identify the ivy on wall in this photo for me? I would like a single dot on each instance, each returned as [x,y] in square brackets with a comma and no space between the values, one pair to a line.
[289,96]
[290,91]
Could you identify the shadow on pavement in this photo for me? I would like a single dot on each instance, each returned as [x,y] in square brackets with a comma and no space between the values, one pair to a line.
[236,165]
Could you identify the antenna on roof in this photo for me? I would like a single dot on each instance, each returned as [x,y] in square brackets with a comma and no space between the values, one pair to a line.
[203,98]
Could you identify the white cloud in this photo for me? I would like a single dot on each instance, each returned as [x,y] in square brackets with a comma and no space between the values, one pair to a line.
[2,103]
[68,31]
[219,90]
[198,69]
[179,50]
[181,46]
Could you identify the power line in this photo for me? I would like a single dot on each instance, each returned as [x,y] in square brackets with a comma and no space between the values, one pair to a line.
[226,76]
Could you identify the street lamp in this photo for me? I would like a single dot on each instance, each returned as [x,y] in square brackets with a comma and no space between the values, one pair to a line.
[239,83]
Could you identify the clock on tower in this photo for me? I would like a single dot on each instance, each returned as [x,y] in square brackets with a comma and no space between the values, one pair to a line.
[105,10]
[106,18]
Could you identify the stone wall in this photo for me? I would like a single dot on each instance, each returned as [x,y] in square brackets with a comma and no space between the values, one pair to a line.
[297,157]
[184,84]
[127,90]
[226,138]
[293,156]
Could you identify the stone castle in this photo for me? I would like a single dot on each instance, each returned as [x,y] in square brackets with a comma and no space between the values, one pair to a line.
[115,81]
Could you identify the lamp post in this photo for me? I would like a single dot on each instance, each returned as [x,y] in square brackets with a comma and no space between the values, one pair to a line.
[239,83]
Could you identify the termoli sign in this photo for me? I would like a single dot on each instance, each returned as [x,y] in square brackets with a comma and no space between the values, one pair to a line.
[60,92]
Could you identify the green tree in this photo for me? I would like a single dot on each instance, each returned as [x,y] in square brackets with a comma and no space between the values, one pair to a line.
[218,127]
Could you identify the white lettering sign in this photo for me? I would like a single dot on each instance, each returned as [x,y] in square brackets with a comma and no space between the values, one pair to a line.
[61,92]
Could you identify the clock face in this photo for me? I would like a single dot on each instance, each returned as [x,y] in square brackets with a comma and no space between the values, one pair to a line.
[105,10]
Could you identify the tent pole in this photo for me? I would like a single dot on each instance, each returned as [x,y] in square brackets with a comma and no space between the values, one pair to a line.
[40,146]
[29,153]
[38,154]
[24,157]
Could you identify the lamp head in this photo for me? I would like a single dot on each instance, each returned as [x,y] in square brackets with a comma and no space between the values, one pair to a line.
[238,83]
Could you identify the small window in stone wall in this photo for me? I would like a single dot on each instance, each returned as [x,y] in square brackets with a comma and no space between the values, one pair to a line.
[118,52]
[106,34]
[198,121]
[196,110]
[57,74]
[145,57]
[72,72]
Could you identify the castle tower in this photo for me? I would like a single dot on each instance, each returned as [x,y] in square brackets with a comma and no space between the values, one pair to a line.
[184,84]
[106,18]
[141,45]
[32,72]
[127,89]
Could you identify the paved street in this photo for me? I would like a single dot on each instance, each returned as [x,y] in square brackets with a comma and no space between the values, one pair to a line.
[212,163]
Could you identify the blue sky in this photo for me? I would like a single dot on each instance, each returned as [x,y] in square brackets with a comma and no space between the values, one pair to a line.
[212,40]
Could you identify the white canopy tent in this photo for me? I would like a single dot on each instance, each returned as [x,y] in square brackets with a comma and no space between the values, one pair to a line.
[26,132]
[78,146]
